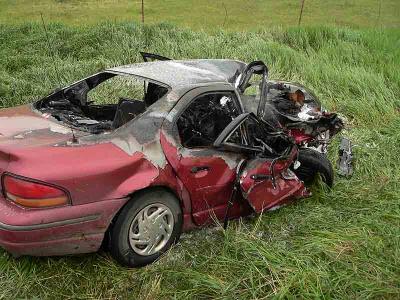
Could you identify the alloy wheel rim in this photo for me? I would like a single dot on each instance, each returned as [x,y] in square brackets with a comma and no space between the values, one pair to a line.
[151,229]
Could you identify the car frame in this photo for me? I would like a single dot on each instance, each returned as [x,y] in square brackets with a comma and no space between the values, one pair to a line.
[111,182]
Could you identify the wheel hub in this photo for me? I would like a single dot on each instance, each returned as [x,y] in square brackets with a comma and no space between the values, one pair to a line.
[151,229]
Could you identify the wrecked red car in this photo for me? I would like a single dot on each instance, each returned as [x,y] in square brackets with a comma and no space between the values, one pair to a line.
[132,156]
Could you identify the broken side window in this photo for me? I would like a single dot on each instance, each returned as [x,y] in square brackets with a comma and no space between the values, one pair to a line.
[116,88]
[205,118]
[102,102]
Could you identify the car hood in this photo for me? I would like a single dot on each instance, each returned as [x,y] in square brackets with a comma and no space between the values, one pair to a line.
[22,126]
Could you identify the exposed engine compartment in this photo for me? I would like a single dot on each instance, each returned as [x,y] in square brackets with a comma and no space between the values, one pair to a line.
[296,110]
[294,106]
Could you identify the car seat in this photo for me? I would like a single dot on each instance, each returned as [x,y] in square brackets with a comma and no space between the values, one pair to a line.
[127,109]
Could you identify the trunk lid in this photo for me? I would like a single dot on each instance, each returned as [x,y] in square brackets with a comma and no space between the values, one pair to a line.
[22,128]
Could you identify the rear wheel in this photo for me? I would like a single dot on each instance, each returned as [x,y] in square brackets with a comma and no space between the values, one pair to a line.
[146,227]
[312,163]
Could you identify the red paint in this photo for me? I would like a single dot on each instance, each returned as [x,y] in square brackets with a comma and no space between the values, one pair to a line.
[299,136]
[210,188]
[280,185]
[101,177]
[38,242]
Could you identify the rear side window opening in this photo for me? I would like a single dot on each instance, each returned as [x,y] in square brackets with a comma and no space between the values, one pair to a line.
[102,102]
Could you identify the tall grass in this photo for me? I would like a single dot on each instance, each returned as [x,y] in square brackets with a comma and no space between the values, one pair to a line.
[343,243]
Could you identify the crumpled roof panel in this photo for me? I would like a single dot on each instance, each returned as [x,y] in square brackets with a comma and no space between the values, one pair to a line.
[185,72]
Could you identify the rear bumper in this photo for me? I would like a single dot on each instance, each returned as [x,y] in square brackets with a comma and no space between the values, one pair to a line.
[56,231]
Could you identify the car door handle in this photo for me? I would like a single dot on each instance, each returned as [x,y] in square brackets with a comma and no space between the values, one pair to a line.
[199,168]
[260,177]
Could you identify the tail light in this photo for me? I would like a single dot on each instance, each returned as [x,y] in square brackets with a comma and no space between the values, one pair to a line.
[32,194]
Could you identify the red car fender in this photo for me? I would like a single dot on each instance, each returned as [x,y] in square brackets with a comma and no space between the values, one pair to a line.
[268,182]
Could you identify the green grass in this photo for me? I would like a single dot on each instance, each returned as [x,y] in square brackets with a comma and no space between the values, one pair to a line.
[343,243]
[208,14]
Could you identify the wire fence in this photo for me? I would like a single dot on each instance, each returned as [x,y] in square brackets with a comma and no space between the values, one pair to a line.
[357,13]
[208,14]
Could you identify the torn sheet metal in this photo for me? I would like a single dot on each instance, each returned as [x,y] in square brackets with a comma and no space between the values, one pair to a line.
[345,161]
[298,111]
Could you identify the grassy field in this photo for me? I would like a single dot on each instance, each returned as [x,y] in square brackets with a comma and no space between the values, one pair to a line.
[343,243]
[208,14]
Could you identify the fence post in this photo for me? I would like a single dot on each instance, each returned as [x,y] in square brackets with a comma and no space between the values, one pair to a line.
[143,11]
[379,12]
[301,11]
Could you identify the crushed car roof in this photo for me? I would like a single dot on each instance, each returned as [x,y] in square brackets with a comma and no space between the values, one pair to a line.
[185,72]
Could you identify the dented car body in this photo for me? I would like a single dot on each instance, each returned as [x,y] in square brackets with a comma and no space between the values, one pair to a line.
[287,105]
[73,171]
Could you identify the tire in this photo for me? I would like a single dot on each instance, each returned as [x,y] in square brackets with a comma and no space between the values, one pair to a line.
[131,228]
[313,162]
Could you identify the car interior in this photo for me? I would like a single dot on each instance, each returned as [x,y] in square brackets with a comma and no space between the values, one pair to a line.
[105,101]
[205,118]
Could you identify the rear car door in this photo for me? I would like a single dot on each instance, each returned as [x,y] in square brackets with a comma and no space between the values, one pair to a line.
[207,173]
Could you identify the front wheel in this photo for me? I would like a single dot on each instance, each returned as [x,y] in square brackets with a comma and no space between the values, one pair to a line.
[146,227]
[312,163]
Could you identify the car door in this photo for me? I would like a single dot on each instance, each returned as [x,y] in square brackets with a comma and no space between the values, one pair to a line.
[207,173]
[265,179]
